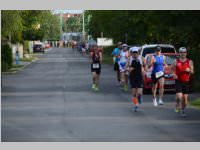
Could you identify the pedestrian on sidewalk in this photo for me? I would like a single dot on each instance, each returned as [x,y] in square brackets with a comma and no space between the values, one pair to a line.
[95,60]
[158,61]
[136,67]
[182,69]
[83,49]
[116,57]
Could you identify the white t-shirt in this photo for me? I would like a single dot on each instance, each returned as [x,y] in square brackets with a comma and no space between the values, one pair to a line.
[123,56]
[83,49]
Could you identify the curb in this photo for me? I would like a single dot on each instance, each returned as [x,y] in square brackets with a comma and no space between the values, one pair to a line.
[20,69]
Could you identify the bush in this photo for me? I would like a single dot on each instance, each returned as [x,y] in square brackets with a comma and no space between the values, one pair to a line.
[107,57]
[4,66]
[108,50]
[6,56]
[26,47]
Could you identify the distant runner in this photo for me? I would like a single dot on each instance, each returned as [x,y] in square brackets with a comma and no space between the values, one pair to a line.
[95,60]
[124,55]
[158,61]
[116,55]
[182,68]
[136,68]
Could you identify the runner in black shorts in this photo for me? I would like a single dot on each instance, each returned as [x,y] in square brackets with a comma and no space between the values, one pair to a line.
[182,68]
[182,87]
[136,78]
[95,60]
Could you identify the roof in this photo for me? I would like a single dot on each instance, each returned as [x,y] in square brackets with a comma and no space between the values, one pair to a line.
[154,45]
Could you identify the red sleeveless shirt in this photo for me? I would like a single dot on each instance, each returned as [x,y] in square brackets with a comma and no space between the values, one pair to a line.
[182,75]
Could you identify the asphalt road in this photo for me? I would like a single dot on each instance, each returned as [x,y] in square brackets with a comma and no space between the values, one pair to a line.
[51,101]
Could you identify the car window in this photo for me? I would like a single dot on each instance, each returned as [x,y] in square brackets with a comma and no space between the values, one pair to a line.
[168,50]
[37,45]
[150,50]
[148,60]
[170,59]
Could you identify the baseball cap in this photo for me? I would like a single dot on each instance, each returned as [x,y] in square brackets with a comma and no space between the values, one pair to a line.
[182,49]
[158,48]
[134,49]
[119,43]
[124,45]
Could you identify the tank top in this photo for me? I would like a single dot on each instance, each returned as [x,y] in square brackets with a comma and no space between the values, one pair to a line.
[137,65]
[182,75]
[96,57]
[158,65]
[123,56]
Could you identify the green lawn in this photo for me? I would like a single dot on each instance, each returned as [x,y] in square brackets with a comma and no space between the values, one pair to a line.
[196,103]
[107,59]
[26,59]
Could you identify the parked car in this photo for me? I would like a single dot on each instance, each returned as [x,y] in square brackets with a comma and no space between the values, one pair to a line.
[149,49]
[169,84]
[38,47]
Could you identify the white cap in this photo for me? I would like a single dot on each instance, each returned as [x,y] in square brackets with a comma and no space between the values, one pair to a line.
[134,49]
[182,49]
[124,45]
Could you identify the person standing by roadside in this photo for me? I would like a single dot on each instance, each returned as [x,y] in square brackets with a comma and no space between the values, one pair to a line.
[158,61]
[124,55]
[83,50]
[95,60]
[136,68]
[182,70]
[116,55]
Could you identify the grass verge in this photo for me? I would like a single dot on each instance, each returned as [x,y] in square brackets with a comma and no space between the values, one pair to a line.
[196,103]
[107,59]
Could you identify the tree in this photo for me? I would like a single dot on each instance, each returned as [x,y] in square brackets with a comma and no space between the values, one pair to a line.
[73,24]
[11,25]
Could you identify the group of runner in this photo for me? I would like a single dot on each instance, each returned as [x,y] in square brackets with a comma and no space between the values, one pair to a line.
[130,67]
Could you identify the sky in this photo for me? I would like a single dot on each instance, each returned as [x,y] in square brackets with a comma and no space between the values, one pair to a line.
[68,11]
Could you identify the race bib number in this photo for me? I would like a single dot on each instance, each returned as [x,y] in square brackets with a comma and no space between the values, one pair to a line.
[159,74]
[95,66]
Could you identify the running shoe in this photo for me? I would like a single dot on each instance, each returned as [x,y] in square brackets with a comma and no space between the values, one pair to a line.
[93,86]
[183,114]
[155,102]
[160,102]
[125,88]
[135,108]
[177,109]
[139,99]
[96,89]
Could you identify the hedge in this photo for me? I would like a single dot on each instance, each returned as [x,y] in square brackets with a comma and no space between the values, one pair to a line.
[6,57]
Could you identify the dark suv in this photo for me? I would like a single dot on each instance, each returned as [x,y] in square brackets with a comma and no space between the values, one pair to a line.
[38,48]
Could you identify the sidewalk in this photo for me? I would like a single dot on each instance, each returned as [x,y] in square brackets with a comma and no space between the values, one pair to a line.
[21,66]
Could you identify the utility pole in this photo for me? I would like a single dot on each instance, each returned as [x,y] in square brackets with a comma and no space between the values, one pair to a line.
[83,32]
[60,25]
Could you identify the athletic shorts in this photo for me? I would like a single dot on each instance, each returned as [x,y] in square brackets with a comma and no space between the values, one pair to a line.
[98,71]
[182,87]
[136,83]
[122,66]
[154,79]
[116,66]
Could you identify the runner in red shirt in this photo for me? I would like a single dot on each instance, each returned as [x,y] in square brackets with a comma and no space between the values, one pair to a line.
[183,68]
